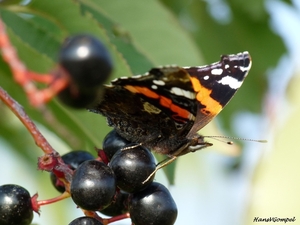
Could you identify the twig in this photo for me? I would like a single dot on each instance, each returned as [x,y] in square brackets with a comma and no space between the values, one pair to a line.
[51,160]
[19,111]
[57,80]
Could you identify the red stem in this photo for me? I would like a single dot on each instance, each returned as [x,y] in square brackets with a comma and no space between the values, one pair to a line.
[52,200]
[117,218]
[57,80]
[19,111]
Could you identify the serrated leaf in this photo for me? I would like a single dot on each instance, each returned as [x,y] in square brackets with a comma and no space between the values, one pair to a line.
[137,61]
[155,31]
[42,38]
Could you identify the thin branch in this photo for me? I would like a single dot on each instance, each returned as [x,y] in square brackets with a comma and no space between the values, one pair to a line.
[57,80]
[19,111]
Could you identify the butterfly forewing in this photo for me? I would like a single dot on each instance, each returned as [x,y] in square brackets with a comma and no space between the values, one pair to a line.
[216,84]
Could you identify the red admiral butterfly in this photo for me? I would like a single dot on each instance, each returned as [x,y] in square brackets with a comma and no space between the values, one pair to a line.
[164,109]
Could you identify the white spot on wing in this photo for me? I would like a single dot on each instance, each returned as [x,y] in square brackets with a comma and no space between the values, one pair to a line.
[206,77]
[227,66]
[137,76]
[216,71]
[154,87]
[231,81]
[243,69]
[159,82]
[181,92]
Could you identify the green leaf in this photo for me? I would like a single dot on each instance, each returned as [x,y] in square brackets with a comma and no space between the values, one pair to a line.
[44,36]
[155,31]
[138,62]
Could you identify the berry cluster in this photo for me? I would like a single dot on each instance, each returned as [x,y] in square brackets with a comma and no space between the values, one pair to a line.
[119,182]
[110,186]
[118,187]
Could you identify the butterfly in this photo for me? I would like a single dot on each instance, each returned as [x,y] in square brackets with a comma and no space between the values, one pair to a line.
[165,108]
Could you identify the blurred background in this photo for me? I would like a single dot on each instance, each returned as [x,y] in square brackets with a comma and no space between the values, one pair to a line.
[221,185]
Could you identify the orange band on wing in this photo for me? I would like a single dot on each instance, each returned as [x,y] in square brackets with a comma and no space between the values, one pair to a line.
[203,96]
[166,102]
[142,90]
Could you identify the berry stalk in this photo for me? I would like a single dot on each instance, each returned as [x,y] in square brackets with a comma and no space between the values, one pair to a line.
[19,111]
[51,160]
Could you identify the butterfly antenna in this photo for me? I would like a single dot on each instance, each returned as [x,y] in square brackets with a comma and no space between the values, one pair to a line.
[219,138]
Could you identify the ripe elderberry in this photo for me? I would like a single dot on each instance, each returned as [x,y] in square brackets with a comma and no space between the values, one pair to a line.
[132,166]
[85,221]
[86,59]
[118,206]
[112,143]
[93,185]
[73,159]
[88,64]
[15,205]
[77,98]
[153,205]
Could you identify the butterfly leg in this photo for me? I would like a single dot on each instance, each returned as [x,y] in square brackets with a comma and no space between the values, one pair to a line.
[192,145]
[160,165]
[131,146]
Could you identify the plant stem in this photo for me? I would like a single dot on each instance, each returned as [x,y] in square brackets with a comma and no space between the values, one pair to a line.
[19,111]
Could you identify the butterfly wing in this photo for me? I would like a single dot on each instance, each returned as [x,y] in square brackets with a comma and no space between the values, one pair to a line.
[216,84]
[154,109]
[165,108]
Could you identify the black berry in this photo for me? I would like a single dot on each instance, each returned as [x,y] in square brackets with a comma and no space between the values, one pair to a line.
[86,59]
[112,143]
[78,98]
[153,205]
[118,206]
[93,185]
[85,221]
[132,166]
[15,205]
[88,64]
[73,159]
